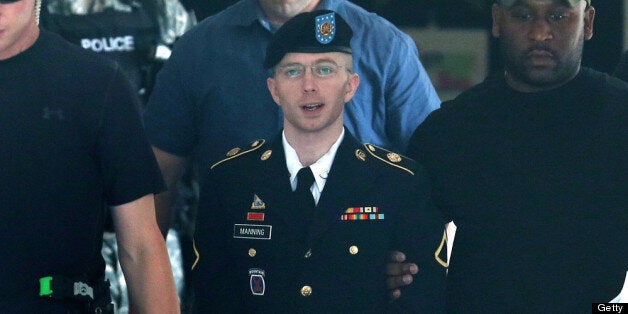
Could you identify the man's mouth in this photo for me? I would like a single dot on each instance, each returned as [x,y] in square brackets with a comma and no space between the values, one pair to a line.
[312,107]
[541,58]
[538,53]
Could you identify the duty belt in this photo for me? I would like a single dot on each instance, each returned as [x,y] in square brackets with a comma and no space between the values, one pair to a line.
[96,298]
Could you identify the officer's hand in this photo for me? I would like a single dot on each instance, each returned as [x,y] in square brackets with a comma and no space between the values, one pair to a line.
[399,273]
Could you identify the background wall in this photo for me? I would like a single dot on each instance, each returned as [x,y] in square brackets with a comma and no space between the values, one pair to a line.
[625,24]
[448,32]
[604,50]
[454,41]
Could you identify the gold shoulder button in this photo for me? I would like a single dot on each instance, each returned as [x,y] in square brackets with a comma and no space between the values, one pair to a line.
[233,151]
[236,152]
[391,158]
[266,155]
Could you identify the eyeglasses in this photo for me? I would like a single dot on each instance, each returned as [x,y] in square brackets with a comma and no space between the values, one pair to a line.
[8,1]
[322,70]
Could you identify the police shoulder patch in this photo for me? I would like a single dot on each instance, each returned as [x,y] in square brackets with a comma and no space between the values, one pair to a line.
[391,158]
[237,152]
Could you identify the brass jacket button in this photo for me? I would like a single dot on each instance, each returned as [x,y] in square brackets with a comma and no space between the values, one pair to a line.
[353,250]
[306,291]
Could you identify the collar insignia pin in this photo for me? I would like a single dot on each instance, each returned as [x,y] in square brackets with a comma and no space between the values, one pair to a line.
[360,154]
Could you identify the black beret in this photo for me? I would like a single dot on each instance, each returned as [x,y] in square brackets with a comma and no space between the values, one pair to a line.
[310,32]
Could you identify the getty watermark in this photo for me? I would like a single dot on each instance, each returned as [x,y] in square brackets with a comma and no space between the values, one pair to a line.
[609,308]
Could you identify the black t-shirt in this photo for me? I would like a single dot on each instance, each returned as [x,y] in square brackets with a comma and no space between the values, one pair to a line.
[536,185]
[622,68]
[71,143]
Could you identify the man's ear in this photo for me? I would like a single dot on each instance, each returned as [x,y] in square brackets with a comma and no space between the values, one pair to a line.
[272,88]
[589,17]
[352,86]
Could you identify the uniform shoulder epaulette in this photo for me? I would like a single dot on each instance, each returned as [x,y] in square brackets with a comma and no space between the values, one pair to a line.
[391,158]
[237,151]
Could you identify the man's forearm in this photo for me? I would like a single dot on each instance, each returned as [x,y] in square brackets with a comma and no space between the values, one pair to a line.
[149,278]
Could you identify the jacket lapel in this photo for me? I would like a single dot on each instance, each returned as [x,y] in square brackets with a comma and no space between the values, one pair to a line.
[276,188]
[347,177]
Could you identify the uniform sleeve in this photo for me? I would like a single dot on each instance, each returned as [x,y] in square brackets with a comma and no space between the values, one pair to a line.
[426,149]
[409,93]
[128,164]
[420,234]
[214,290]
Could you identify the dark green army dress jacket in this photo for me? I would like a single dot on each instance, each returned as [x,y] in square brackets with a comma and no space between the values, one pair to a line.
[256,253]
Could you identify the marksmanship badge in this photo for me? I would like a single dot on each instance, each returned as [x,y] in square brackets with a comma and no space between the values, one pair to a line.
[325,28]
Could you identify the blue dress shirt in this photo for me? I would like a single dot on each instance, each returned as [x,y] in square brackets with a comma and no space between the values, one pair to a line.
[211,95]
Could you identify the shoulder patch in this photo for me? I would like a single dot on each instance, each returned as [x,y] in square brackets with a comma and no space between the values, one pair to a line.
[391,158]
[237,152]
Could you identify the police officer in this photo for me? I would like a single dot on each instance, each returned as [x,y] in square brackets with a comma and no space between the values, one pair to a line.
[262,247]
[72,142]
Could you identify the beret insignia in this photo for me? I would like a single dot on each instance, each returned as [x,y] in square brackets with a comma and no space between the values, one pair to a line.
[325,28]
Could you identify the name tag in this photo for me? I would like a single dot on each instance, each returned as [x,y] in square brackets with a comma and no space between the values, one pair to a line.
[259,232]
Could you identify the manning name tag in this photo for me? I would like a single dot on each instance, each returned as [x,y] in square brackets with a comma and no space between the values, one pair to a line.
[245,231]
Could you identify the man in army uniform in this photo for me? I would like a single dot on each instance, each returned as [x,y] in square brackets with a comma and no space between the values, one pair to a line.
[262,247]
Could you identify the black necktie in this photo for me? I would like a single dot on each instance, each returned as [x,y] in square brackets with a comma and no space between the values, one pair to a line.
[305,179]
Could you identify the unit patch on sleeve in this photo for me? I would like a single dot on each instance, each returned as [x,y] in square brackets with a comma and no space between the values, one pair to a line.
[256,281]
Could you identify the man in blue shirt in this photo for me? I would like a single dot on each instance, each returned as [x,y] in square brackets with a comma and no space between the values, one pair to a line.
[212,93]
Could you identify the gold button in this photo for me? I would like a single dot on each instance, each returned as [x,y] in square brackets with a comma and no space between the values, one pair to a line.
[353,250]
[306,291]
[266,155]
[252,252]
[308,253]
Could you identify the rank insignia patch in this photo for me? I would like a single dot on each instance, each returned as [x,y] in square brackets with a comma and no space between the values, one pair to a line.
[257,203]
[256,281]
[325,28]
[441,255]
